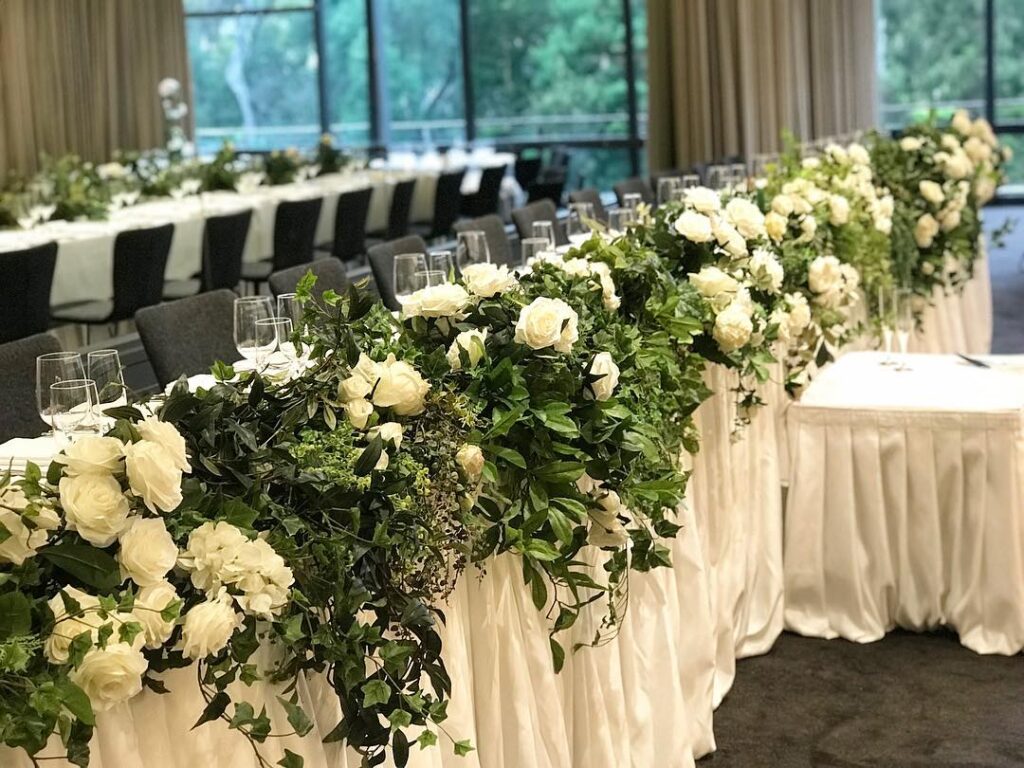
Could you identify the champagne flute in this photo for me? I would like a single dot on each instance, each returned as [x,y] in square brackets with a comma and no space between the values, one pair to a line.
[440,261]
[72,408]
[904,323]
[886,317]
[471,248]
[578,224]
[406,266]
[545,229]
[532,248]
[667,188]
[248,310]
[51,368]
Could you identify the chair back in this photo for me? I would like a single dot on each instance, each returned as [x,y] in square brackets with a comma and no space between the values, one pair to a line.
[223,247]
[350,223]
[546,190]
[541,210]
[593,197]
[26,276]
[330,275]
[494,232]
[401,207]
[187,336]
[526,171]
[295,226]
[634,186]
[382,262]
[487,197]
[140,258]
[447,202]
[19,414]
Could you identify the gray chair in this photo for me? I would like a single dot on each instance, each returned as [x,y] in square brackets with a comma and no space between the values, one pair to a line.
[330,275]
[495,233]
[187,336]
[382,260]
[542,210]
[593,197]
[19,412]
[634,186]
[26,277]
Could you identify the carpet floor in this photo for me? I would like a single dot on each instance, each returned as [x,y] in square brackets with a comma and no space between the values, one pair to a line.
[907,701]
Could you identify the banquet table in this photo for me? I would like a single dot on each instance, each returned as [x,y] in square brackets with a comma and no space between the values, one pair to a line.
[906,501]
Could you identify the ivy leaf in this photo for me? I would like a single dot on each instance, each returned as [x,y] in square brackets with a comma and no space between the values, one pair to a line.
[297,718]
[291,760]
[91,566]
[463,748]
[15,615]
[80,645]
[427,739]
[218,704]
[375,692]
[75,700]
[400,719]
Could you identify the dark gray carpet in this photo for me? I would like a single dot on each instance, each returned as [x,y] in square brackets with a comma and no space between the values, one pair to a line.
[908,701]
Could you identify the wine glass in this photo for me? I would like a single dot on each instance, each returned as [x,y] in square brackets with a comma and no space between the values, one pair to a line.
[667,187]
[288,306]
[689,180]
[51,368]
[406,266]
[545,229]
[471,248]
[887,298]
[632,200]
[533,247]
[904,323]
[73,405]
[271,336]
[249,310]
[578,224]
[428,278]
[619,220]
[105,370]
[738,174]
[440,261]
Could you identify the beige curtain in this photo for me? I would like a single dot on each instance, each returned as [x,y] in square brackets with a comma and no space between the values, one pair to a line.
[81,76]
[729,77]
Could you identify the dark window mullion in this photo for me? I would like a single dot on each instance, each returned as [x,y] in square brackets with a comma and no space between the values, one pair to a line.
[990,61]
[631,98]
[321,68]
[468,99]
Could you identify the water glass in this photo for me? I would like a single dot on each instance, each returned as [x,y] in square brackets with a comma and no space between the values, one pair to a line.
[105,370]
[471,248]
[533,247]
[887,298]
[904,322]
[73,404]
[272,334]
[578,224]
[690,180]
[428,278]
[249,310]
[441,261]
[50,369]
[545,229]
[406,267]
[620,220]
[718,176]
[288,306]
[632,200]
[667,188]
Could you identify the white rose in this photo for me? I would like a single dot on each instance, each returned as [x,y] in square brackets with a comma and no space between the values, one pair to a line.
[166,435]
[837,153]
[607,371]
[66,629]
[746,217]
[884,225]
[92,456]
[910,143]
[927,268]
[977,150]
[606,530]
[984,189]
[728,237]
[603,273]
[445,300]
[712,281]
[361,379]
[949,219]
[810,163]
[382,462]
[147,551]
[208,627]
[799,313]
[25,534]
[766,270]
[961,122]
[149,604]
[733,327]
[548,323]
[775,225]
[958,166]
[702,199]
[695,227]
[824,274]
[932,192]
[782,205]
[486,280]
[95,506]
[858,154]
[390,432]
[110,675]
[472,342]
[925,230]
[780,319]
[471,460]
[153,476]
[851,277]
[211,547]
[400,388]
[839,210]
[358,412]
[808,226]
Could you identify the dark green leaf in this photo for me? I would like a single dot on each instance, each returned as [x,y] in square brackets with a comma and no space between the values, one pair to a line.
[91,566]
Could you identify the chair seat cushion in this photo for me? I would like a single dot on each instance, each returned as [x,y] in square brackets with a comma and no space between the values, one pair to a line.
[179,289]
[96,312]
[257,270]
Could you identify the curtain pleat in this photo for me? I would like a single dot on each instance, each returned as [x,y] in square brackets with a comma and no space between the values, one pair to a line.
[730,77]
[81,76]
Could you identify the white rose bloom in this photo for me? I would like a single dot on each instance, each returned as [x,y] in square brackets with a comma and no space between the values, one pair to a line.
[153,476]
[95,506]
[799,313]
[911,143]
[147,551]
[810,163]
[26,534]
[445,300]
[977,150]
[984,189]
[606,530]
[932,192]
[925,230]
[780,319]
[858,154]
[92,456]
[782,205]
[839,210]
[733,327]
[358,412]
[472,342]
[837,153]
[711,281]
[208,627]
[695,227]
[471,460]
[603,366]
[390,432]
[486,280]
[168,87]
[604,274]
[1007,153]
[746,217]
[927,268]
[361,379]
[775,225]
[110,675]
[824,274]
[951,142]
[702,199]
[949,219]
[957,166]
[149,603]
[400,388]
[851,277]
[961,122]
[728,237]
[166,435]
[210,548]
[883,225]
[808,226]
[982,129]
[383,461]
[67,629]
[548,323]
[766,270]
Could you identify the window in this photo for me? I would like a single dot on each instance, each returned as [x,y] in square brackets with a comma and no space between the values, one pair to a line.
[346,64]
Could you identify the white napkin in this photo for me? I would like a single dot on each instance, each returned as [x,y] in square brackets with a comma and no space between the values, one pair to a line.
[17,452]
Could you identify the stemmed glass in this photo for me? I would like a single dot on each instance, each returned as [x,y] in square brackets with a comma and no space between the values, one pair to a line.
[718,176]
[545,229]
[577,225]
[73,404]
[690,180]
[105,369]
[50,369]
[887,317]
[406,267]
[427,278]
[533,247]
[632,200]
[738,174]
[904,323]
[288,306]
[471,248]
[248,311]
[667,188]
[619,220]
[273,343]
[441,261]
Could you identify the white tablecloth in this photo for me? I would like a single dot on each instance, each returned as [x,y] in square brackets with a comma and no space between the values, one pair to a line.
[905,505]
